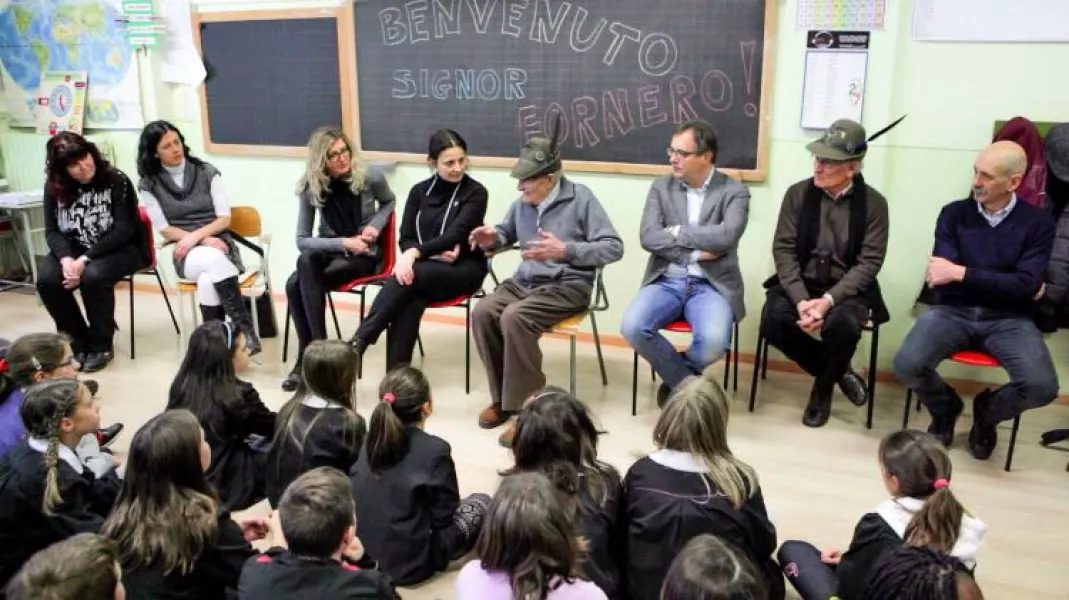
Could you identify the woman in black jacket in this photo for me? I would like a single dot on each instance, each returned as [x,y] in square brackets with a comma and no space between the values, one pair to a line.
[176,540]
[555,436]
[95,238]
[236,423]
[436,262]
[691,485]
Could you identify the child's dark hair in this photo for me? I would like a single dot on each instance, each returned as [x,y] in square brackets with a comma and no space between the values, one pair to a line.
[402,394]
[206,381]
[328,371]
[35,353]
[528,535]
[43,407]
[166,512]
[922,467]
[709,568]
[921,573]
[553,430]
[315,511]
[83,567]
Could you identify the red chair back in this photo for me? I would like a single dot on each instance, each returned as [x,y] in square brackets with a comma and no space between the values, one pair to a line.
[388,245]
[146,222]
[975,358]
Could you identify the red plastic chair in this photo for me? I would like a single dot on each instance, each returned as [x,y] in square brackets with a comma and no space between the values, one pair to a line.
[972,358]
[682,326]
[146,223]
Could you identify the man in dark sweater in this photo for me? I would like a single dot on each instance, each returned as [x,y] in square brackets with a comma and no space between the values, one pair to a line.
[987,268]
[829,245]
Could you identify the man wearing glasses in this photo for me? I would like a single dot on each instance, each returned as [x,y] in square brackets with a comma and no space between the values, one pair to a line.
[828,247]
[565,235]
[691,226]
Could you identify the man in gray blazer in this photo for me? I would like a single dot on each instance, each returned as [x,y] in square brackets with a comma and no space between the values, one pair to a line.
[691,226]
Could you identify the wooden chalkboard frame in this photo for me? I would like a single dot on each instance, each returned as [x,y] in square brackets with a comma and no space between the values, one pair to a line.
[764,117]
[343,15]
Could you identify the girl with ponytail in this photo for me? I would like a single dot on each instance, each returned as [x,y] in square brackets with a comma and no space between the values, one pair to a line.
[922,512]
[412,519]
[47,492]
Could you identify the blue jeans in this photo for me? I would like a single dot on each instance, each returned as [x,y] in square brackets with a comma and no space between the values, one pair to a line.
[669,299]
[1012,339]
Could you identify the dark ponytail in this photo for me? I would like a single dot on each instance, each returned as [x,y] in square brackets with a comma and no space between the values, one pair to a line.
[402,394]
[922,467]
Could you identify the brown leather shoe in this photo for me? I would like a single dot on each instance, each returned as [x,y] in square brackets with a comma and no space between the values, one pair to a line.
[492,416]
[506,438]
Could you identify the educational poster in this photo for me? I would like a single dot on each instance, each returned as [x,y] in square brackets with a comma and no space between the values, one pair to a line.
[856,15]
[69,35]
[836,63]
[61,102]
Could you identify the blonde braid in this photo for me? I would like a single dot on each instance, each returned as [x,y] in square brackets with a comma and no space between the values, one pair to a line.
[52,496]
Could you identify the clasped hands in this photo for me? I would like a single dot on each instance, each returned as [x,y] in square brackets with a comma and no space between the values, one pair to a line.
[361,243]
[72,272]
[811,313]
[404,269]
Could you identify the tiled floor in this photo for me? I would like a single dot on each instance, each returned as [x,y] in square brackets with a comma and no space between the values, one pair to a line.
[817,483]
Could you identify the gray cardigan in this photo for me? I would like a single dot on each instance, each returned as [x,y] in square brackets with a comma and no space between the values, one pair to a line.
[724,214]
[376,190]
[577,219]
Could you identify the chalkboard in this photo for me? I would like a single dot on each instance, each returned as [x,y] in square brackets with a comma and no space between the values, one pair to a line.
[622,73]
[273,77]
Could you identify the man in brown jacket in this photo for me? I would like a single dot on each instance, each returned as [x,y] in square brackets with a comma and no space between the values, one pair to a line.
[829,245]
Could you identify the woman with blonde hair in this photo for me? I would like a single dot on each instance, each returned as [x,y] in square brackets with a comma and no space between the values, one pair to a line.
[353,205]
[692,484]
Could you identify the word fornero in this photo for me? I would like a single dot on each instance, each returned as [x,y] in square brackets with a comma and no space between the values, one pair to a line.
[657,52]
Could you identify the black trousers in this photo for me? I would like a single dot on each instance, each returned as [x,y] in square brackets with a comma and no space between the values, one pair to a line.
[98,295]
[398,309]
[811,578]
[306,290]
[826,359]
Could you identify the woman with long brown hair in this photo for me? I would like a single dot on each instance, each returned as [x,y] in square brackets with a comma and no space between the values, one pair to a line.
[94,239]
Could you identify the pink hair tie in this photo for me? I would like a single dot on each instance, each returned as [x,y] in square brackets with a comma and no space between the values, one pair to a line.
[941,483]
[389,398]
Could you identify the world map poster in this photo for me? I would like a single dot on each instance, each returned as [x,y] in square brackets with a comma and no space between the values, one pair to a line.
[68,35]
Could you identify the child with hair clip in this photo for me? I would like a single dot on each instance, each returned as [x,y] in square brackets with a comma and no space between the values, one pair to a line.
[177,542]
[424,524]
[555,436]
[693,484]
[234,419]
[47,493]
[32,359]
[918,573]
[83,567]
[922,511]
[709,568]
[527,549]
[322,553]
[319,427]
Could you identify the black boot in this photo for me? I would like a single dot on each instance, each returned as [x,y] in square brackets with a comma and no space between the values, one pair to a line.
[234,307]
[211,313]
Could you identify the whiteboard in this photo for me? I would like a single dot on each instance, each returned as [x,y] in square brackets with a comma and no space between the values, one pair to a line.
[991,20]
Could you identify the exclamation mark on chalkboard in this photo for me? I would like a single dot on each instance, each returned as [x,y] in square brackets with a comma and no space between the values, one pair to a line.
[748,49]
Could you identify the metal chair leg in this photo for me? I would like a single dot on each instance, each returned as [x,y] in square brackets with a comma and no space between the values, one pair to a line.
[874,352]
[467,347]
[756,370]
[1013,442]
[905,412]
[334,315]
[133,349]
[727,368]
[764,361]
[634,386]
[571,379]
[419,344]
[167,299]
[597,347]
[286,336]
[735,344]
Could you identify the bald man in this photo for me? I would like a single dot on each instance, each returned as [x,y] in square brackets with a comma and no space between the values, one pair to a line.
[986,271]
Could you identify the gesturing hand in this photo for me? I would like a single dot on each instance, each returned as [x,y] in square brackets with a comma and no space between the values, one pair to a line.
[483,236]
[545,247]
[449,256]
[254,529]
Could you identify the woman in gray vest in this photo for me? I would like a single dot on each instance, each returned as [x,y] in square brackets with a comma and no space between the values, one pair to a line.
[188,205]
[94,240]
[353,207]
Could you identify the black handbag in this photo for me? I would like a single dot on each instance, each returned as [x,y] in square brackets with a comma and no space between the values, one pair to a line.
[265,314]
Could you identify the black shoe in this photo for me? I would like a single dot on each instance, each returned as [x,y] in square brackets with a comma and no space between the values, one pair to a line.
[854,388]
[818,411]
[663,392]
[92,385]
[291,382]
[107,435]
[983,437]
[79,357]
[234,307]
[95,361]
[942,426]
[211,313]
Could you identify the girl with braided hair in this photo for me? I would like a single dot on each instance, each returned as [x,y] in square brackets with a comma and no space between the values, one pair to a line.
[911,573]
[922,512]
[425,524]
[47,492]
